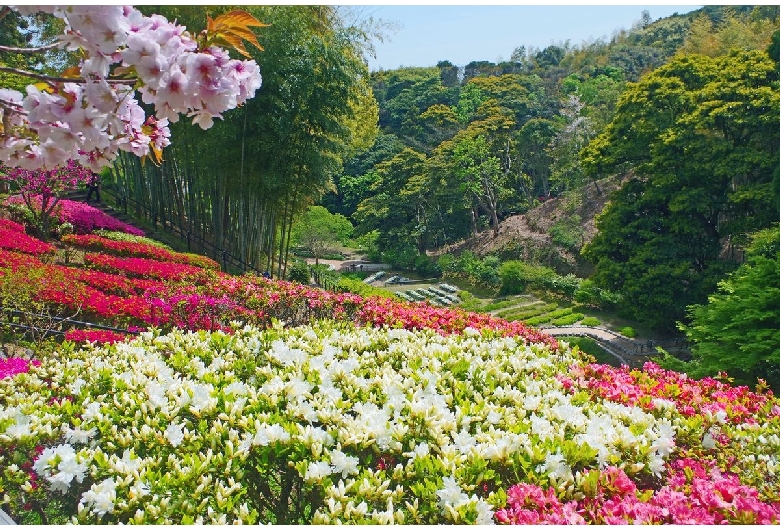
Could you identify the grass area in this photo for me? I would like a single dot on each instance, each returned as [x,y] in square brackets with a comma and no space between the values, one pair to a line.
[591,347]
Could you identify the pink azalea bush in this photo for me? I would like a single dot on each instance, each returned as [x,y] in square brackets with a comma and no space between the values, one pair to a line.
[143,267]
[694,493]
[652,387]
[99,336]
[138,250]
[83,217]
[15,365]
[41,190]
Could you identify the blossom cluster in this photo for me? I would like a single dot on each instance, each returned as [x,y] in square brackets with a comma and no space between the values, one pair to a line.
[15,365]
[84,218]
[143,267]
[94,117]
[12,237]
[47,183]
[101,336]
[731,427]
[653,387]
[379,425]
[692,495]
[139,250]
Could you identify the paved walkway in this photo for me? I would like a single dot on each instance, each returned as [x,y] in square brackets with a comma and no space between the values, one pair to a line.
[626,350]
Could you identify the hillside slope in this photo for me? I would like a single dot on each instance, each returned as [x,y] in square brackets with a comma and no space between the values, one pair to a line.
[529,236]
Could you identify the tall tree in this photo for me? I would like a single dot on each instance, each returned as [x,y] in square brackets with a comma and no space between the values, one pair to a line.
[703,136]
[737,330]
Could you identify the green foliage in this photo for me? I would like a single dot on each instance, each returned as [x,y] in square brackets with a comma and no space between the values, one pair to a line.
[517,275]
[24,318]
[524,313]
[737,330]
[591,322]
[299,272]
[628,331]
[551,316]
[591,347]
[567,320]
[704,154]
[122,236]
[318,230]
[568,233]
[357,286]
[589,295]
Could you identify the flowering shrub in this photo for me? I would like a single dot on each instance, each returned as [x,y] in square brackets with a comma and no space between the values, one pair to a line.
[731,427]
[41,190]
[16,261]
[692,495]
[15,365]
[83,217]
[139,250]
[102,336]
[359,425]
[144,268]
[12,237]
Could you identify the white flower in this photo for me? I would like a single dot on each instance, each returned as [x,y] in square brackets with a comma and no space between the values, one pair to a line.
[77,435]
[20,428]
[451,494]
[237,388]
[201,397]
[139,490]
[128,465]
[92,412]
[101,497]
[266,434]
[317,471]
[708,442]
[556,467]
[156,393]
[344,464]
[75,386]
[175,434]
[62,459]
[484,513]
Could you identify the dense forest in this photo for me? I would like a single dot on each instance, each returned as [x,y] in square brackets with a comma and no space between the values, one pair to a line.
[685,110]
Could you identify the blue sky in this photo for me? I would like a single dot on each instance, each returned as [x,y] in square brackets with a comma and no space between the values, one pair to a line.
[465,33]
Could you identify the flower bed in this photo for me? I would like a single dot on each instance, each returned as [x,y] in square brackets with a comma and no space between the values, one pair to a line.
[83,217]
[381,425]
[143,268]
[138,250]
[334,423]
[12,237]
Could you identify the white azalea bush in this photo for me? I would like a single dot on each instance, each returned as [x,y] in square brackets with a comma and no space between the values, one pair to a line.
[325,423]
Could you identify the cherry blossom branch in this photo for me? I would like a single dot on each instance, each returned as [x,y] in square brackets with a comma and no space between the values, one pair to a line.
[54,79]
[13,49]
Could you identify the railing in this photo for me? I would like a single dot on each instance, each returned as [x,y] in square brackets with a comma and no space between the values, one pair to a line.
[218,253]
[60,325]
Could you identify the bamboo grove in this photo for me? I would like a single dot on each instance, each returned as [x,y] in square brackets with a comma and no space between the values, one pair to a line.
[240,184]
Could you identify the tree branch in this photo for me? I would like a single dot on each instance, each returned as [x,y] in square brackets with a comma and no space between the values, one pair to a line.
[52,79]
[12,49]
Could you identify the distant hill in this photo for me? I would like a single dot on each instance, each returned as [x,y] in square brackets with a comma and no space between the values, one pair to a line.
[531,236]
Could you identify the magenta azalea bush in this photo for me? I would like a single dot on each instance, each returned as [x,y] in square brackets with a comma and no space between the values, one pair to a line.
[83,217]
[41,190]
[12,237]
[15,365]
